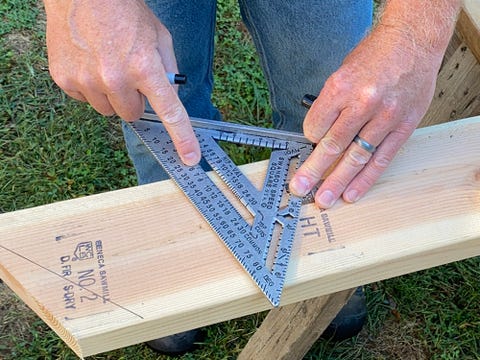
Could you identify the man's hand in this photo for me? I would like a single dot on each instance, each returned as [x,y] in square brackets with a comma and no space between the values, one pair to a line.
[112,54]
[380,93]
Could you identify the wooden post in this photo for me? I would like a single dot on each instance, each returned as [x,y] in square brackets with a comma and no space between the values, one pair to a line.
[288,332]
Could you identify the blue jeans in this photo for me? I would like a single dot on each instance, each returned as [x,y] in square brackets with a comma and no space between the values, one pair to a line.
[300,44]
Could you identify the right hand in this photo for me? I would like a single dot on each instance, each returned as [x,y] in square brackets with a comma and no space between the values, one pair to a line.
[112,54]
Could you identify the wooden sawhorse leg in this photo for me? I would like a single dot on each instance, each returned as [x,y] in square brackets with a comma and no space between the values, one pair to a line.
[289,332]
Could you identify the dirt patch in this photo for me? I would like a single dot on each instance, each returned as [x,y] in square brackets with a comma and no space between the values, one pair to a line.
[18,42]
[396,340]
[21,41]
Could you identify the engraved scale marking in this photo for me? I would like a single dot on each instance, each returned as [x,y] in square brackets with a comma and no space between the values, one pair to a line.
[272,206]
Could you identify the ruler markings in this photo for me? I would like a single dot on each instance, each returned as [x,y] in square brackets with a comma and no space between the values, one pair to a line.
[250,244]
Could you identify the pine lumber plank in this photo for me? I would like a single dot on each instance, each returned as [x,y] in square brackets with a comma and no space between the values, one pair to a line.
[288,332]
[119,268]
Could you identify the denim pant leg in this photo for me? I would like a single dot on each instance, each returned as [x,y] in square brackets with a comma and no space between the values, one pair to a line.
[192,25]
[301,43]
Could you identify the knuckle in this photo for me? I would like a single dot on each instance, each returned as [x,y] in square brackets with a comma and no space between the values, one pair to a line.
[161,90]
[311,171]
[405,129]
[64,83]
[131,115]
[112,80]
[380,163]
[310,132]
[356,159]
[61,79]
[186,142]
[330,146]
[85,80]
[338,83]
[173,115]
[366,181]
[338,181]
[391,109]
[372,172]
[391,104]
[103,108]
[369,96]
[167,38]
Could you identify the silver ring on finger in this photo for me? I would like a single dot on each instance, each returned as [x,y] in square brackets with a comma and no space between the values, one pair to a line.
[365,145]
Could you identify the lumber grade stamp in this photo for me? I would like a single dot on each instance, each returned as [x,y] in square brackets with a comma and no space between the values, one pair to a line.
[119,268]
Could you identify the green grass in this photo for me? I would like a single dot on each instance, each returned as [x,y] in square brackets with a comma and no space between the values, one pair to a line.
[54,148]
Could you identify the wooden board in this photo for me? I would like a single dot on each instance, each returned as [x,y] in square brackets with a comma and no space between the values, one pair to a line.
[123,267]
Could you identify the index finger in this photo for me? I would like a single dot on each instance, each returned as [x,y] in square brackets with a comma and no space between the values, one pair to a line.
[164,100]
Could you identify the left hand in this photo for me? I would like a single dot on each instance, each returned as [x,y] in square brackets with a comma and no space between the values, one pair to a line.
[381,92]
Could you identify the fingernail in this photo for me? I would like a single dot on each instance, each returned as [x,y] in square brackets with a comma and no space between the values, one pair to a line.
[325,200]
[300,185]
[191,158]
[351,196]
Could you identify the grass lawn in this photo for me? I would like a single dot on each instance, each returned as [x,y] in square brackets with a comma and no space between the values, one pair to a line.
[53,148]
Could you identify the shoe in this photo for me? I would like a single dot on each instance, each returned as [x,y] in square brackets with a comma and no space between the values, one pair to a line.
[350,320]
[175,344]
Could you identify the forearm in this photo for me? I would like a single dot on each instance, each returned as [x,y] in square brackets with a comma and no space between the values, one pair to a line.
[426,24]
